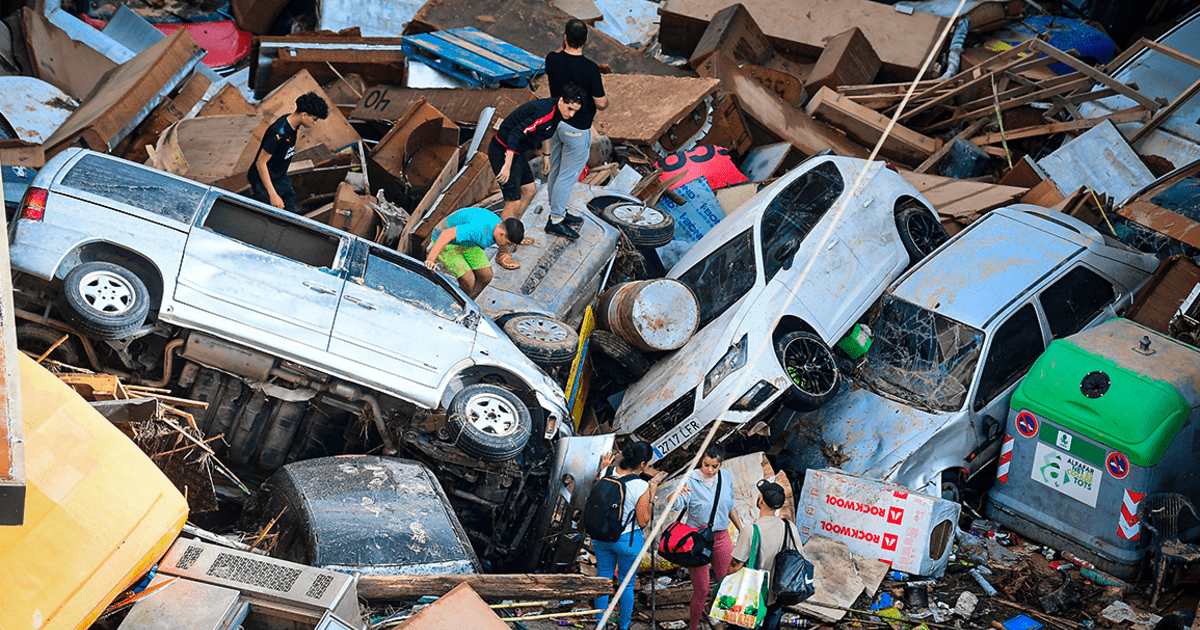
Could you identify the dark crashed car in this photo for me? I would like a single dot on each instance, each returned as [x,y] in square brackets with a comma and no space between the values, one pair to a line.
[365,513]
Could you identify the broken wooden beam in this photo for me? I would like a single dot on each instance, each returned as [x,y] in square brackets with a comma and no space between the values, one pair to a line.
[866,126]
[1133,114]
[1096,75]
[848,59]
[937,156]
[733,29]
[510,586]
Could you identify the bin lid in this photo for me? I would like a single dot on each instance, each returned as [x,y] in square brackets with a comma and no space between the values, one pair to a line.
[1110,401]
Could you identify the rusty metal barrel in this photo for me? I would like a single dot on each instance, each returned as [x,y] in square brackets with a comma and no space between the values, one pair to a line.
[652,315]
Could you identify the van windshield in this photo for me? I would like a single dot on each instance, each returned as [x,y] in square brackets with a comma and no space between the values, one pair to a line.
[920,357]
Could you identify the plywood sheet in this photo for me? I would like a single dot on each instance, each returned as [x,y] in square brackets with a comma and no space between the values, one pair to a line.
[208,149]
[803,26]
[642,108]
[535,26]
[390,102]
[69,65]
[962,200]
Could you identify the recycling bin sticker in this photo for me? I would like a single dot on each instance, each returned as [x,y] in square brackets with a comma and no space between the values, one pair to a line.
[1066,474]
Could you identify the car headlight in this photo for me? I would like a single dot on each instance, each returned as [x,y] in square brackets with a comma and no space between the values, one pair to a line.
[733,361]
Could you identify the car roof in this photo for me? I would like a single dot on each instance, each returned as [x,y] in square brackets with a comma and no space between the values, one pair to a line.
[1016,248]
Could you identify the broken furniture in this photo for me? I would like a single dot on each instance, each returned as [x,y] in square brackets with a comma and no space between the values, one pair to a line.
[473,56]
[273,60]
[1102,422]
[1162,513]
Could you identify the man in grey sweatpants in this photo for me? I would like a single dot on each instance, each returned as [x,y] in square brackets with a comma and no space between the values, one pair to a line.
[572,142]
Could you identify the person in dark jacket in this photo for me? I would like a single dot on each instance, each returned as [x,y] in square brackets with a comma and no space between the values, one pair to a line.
[268,177]
[528,127]
[572,142]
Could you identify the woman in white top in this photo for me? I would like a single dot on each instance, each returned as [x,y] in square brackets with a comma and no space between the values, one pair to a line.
[621,554]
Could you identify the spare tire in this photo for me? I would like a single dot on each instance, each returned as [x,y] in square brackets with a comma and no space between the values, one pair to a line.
[545,340]
[645,226]
[104,301]
[626,358]
[490,423]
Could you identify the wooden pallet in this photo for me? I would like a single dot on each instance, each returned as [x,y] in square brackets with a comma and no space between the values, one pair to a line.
[474,57]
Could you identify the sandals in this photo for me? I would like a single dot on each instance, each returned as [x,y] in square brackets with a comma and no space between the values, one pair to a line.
[507,261]
[528,240]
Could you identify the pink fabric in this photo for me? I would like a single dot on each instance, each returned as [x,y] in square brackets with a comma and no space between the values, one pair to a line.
[722,554]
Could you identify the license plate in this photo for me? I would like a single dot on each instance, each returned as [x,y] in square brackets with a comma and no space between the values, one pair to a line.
[676,437]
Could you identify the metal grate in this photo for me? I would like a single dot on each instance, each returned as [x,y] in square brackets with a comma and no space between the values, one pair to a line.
[319,585]
[189,557]
[668,418]
[253,572]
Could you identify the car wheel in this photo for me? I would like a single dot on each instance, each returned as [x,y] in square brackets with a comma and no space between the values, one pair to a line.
[920,232]
[105,301]
[645,226]
[490,422]
[629,360]
[545,340]
[811,367]
[37,339]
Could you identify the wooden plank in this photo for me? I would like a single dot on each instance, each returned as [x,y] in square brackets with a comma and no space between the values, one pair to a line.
[788,87]
[1133,114]
[1095,74]
[1172,53]
[208,149]
[990,110]
[326,64]
[512,586]
[228,101]
[866,126]
[1046,194]
[1125,55]
[390,102]
[966,80]
[788,123]
[69,65]
[734,30]
[848,58]
[535,26]
[642,108]
[961,199]
[803,26]
[1166,112]
[1163,221]
[937,156]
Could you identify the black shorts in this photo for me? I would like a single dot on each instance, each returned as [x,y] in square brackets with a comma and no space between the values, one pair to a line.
[519,173]
[258,192]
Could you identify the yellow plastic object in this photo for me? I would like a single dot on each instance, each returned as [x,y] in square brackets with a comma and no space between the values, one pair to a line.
[98,512]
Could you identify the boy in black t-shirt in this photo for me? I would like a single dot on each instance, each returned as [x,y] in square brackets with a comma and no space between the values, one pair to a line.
[572,142]
[269,182]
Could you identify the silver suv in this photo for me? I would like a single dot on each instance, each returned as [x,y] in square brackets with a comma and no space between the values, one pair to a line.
[285,325]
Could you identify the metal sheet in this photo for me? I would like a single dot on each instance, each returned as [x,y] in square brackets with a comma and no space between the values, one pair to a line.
[1099,159]
[375,18]
[137,34]
[80,31]
[33,107]
[631,22]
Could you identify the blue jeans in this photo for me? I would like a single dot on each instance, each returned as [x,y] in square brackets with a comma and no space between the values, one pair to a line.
[620,556]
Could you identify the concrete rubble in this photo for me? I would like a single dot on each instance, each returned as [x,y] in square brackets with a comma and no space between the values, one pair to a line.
[737,265]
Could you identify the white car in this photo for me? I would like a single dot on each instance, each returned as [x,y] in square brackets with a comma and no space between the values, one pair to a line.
[779,282]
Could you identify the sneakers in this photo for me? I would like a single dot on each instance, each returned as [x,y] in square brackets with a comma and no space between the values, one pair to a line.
[573,219]
[561,229]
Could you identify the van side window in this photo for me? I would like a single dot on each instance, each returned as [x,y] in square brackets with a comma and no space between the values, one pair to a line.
[138,186]
[411,287]
[1074,300]
[1016,345]
[264,231]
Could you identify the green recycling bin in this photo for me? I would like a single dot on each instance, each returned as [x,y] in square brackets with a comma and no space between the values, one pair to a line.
[1102,419]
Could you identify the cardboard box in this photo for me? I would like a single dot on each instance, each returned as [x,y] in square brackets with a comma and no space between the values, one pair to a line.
[911,532]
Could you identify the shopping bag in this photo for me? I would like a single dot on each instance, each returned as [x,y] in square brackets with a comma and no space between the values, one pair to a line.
[742,597]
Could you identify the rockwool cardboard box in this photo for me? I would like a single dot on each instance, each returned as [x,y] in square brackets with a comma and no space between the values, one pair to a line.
[911,532]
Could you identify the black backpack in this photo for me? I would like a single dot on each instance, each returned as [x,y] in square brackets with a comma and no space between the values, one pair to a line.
[792,575]
[602,517]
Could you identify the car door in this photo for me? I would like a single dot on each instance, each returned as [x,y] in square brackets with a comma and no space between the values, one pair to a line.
[799,260]
[249,272]
[1016,343]
[399,318]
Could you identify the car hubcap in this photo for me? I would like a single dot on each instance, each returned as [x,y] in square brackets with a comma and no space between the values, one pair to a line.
[810,366]
[639,215]
[541,329]
[107,292]
[925,233]
[492,414]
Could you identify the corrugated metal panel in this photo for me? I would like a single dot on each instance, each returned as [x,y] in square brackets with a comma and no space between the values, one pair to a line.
[1099,159]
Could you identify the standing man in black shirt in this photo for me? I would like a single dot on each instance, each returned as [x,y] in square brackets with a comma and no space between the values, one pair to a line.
[269,181]
[572,142]
[529,126]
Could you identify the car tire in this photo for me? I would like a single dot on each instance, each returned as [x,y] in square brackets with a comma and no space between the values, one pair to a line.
[37,339]
[627,358]
[811,366]
[645,226]
[545,340]
[104,301]
[490,423]
[920,232]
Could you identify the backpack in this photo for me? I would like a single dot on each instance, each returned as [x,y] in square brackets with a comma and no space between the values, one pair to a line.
[602,512]
[792,575]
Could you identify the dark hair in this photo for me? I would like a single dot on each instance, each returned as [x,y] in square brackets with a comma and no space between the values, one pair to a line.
[576,33]
[310,103]
[715,451]
[514,230]
[635,454]
[772,493]
[573,93]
